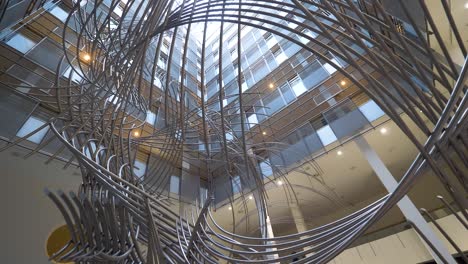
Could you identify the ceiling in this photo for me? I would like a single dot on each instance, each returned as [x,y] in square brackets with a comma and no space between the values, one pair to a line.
[346,185]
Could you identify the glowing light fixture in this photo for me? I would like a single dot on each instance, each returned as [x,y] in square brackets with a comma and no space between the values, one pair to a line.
[86,57]
[339,152]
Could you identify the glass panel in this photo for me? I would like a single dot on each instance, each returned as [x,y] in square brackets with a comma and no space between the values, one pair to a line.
[59,13]
[266,169]
[15,111]
[252,119]
[21,43]
[273,102]
[203,195]
[329,68]
[229,136]
[346,120]
[371,110]
[30,125]
[313,75]
[288,95]
[326,135]
[139,168]
[48,54]
[222,188]
[175,184]
[297,86]
[236,184]
[150,117]
[76,76]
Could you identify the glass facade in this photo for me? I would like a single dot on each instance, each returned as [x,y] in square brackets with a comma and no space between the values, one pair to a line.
[276,75]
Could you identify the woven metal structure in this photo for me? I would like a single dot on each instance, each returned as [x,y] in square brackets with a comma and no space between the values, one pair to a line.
[118,217]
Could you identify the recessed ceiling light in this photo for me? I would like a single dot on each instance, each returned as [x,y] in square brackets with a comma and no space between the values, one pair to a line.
[86,57]
[339,152]
[271,85]
[466,5]
[250,197]
[343,83]
[279,182]
[229,208]
[264,133]
[383,131]
[136,133]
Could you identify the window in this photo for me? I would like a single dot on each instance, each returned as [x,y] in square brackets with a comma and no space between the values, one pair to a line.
[232,41]
[266,169]
[139,168]
[229,136]
[270,40]
[331,69]
[233,54]
[288,95]
[59,13]
[29,126]
[297,85]
[236,184]
[308,33]
[201,145]
[90,150]
[157,82]
[203,195]
[326,135]
[118,10]
[165,47]
[252,119]
[313,75]
[174,186]
[115,100]
[76,75]
[162,62]
[273,102]
[150,117]
[371,110]
[279,55]
[21,43]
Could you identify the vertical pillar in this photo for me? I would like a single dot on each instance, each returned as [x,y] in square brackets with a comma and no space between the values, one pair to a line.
[406,206]
[269,229]
[299,221]
[270,235]
[298,217]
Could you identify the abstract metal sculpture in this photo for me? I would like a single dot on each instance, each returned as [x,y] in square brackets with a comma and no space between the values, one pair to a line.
[119,217]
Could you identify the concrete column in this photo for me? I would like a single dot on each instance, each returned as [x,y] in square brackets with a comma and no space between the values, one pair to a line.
[298,217]
[270,234]
[406,206]
[299,221]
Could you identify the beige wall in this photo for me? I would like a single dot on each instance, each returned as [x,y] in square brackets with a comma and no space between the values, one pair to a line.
[404,247]
[28,216]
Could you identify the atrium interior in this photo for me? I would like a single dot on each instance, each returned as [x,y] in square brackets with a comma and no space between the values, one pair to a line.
[234,131]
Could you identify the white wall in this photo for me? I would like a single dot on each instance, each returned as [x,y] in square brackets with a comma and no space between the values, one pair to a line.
[404,247]
[28,216]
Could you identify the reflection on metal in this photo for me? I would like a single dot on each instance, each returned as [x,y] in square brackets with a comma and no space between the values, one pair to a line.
[117,216]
